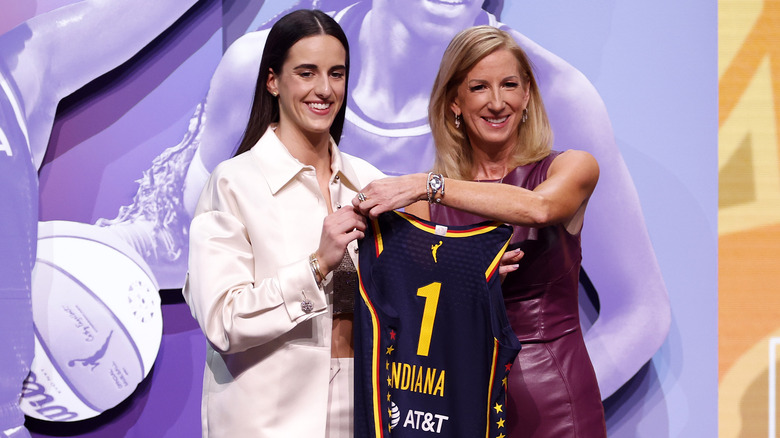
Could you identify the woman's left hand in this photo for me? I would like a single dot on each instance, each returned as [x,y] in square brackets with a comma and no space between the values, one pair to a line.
[390,193]
[509,262]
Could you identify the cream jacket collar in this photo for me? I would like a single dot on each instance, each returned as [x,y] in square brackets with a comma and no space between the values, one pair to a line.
[279,166]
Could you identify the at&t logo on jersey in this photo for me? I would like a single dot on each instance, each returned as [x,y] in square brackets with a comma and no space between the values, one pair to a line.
[417,420]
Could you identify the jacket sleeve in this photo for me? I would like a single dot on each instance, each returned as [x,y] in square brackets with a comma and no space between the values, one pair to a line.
[235,309]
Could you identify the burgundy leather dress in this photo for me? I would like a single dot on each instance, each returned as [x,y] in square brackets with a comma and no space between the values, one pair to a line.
[552,386]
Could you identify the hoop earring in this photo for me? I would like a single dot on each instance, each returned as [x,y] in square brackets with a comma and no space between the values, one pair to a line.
[525,115]
[457,121]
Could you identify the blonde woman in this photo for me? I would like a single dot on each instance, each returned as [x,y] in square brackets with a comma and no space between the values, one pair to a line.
[494,161]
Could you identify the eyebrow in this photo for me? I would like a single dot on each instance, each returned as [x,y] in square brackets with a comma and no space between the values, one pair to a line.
[515,77]
[314,67]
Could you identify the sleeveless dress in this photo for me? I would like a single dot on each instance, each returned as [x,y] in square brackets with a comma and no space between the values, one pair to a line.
[552,386]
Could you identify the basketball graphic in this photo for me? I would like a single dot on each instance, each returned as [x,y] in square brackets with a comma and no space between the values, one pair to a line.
[97,321]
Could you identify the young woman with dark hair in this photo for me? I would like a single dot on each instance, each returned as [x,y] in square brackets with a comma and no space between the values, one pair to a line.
[272,249]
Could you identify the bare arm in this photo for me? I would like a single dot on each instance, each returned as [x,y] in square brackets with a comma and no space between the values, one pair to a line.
[618,256]
[74,44]
[228,104]
[419,209]
[66,48]
[571,179]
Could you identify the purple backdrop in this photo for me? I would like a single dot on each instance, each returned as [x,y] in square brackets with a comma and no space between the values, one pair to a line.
[126,133]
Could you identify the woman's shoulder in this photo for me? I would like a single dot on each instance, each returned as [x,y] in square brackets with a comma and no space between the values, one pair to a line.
[574,156]
[233,166]
[576,162]
[234,176]
[230,182]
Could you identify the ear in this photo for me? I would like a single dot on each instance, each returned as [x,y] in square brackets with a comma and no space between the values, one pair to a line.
[455,107]
[527,96]
[270,82]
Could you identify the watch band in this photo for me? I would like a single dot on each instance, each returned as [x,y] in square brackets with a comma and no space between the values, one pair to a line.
[434,186]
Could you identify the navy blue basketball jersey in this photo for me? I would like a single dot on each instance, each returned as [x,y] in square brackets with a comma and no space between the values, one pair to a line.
[433,346]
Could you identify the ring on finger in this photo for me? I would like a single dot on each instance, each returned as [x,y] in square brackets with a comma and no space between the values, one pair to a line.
[361,196]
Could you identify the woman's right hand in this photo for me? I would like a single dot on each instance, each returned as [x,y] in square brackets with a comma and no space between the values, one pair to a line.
[391,193]
[338,229]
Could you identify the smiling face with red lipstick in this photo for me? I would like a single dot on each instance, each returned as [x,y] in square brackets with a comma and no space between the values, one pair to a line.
[310,87]
[491,100]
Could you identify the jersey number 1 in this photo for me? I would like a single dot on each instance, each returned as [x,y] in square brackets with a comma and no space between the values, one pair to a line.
[431,294]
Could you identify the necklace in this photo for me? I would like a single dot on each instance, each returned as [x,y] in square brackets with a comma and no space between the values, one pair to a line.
[497,182]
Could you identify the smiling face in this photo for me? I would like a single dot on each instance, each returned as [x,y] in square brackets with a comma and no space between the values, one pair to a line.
[491,100]
[310,85]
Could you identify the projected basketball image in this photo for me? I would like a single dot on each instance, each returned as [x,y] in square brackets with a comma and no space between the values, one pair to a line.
[98,324]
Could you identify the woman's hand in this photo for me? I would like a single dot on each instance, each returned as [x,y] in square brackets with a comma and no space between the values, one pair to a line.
[509,262]
[391,193]
[338,229]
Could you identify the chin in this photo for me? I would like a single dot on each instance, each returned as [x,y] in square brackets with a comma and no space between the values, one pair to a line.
[318,130]
[492,142]
[441,20]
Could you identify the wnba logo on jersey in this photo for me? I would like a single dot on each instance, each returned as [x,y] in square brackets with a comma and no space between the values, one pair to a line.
[434,249]
[417,420]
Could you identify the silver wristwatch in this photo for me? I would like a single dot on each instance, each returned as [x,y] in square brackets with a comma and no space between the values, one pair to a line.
[435,187]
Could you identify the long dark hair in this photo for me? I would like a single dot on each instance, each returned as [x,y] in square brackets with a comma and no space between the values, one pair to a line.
[284,34]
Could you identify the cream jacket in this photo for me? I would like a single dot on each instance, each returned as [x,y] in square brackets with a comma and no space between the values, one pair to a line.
[258,219]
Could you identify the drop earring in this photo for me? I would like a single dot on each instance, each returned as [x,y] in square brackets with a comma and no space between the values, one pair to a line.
[525,115]
[457,121]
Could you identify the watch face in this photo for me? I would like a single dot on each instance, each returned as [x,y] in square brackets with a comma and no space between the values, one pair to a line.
[435,183]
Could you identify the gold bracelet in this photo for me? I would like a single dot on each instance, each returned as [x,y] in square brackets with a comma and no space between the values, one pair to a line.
[314,264]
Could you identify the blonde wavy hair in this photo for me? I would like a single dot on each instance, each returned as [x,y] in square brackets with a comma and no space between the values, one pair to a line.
[453,150]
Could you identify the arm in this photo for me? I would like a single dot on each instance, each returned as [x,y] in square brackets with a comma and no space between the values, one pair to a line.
[235,310]
[74,44]
[66,48]
[419,209]
[228,104]
[239,290]
[571,179]
[618,255]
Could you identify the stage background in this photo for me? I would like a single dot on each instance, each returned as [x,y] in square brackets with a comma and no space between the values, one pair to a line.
[749,217]
[654,65]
